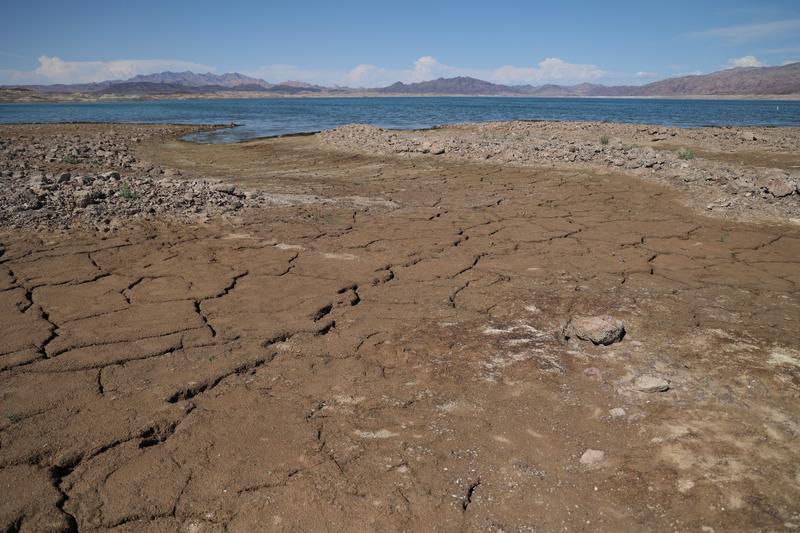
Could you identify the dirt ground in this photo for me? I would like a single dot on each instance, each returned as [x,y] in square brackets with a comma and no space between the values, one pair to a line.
[323,367]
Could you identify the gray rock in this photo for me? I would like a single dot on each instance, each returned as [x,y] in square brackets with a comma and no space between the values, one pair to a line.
[64,177]
[651,384]
[110,176]
[617,412]
[37,182]
[777,183]
[601,329]
[29,200]
[84,198]
[227,188]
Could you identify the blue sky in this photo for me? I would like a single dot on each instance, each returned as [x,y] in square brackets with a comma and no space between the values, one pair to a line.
[374,43]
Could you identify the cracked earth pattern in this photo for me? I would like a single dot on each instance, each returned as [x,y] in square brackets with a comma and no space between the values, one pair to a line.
[325,368]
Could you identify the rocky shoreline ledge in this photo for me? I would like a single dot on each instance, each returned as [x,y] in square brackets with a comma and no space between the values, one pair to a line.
[93,180]
[681,158]
[90,175]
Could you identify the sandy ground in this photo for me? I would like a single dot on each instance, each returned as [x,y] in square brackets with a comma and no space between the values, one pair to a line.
[330,367]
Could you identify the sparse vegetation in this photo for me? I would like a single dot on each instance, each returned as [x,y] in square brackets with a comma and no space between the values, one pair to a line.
[68,159]
[604,139]
[685,154]
[10,416]
[126,192]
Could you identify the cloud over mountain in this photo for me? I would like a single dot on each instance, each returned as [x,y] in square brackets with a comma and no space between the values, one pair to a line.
[549,70]
[746,61]
[56,70]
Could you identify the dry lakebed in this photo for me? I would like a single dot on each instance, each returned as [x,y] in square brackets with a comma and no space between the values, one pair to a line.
[519,326]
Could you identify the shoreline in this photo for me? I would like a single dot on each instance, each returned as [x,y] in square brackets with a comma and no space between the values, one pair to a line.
[205,127]
[730,172]
[55,98]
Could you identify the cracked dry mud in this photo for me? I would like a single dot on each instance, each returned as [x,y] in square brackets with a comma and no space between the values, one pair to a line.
[325,367]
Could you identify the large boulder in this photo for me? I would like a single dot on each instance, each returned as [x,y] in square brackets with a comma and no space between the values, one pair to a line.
[603,329]
[777,183]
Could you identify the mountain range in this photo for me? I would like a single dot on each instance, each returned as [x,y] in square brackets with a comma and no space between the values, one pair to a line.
[746,81]
[760,81]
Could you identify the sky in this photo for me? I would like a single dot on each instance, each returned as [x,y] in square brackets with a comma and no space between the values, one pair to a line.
[373,43]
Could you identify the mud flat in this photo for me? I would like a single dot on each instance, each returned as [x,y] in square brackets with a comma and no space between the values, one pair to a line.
[371,330]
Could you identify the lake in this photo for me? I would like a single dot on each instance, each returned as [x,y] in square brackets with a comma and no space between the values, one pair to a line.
[281,116]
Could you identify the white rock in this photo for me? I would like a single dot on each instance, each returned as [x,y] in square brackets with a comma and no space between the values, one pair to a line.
[649,383]
[592,457]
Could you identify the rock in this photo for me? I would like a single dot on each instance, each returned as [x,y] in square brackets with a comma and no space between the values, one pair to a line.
[651,384]
[748,136]
[617,412]
[29,200]
[436,149]
[64,177]
[227,188]
[110,176]
[777,183]
[592,457]
[85,198]
[602,329]
[37,183]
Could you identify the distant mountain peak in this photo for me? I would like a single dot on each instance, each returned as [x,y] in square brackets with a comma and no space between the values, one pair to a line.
[191,79]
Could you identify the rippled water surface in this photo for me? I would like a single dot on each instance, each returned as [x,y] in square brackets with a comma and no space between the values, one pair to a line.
[280,116]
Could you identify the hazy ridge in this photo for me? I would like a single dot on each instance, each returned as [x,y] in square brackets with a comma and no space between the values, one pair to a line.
[748,81]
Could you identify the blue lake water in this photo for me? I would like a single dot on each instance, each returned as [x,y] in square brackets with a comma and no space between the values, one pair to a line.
[280,116]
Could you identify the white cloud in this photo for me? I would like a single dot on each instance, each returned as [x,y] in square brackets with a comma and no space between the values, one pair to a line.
[549,70]
[751,32]
[746,61]
[57,70]
[643,74]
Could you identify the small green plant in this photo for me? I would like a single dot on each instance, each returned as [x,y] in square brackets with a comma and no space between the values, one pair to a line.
[604,139]
[126,192]
[685,154]
[10,416]
[68,159]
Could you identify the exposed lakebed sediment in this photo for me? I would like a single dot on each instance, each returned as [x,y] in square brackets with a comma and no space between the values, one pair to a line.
[410,341]
[715,166]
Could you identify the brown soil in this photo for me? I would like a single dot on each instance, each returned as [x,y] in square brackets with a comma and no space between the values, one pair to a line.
[330,368]
[789,162]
